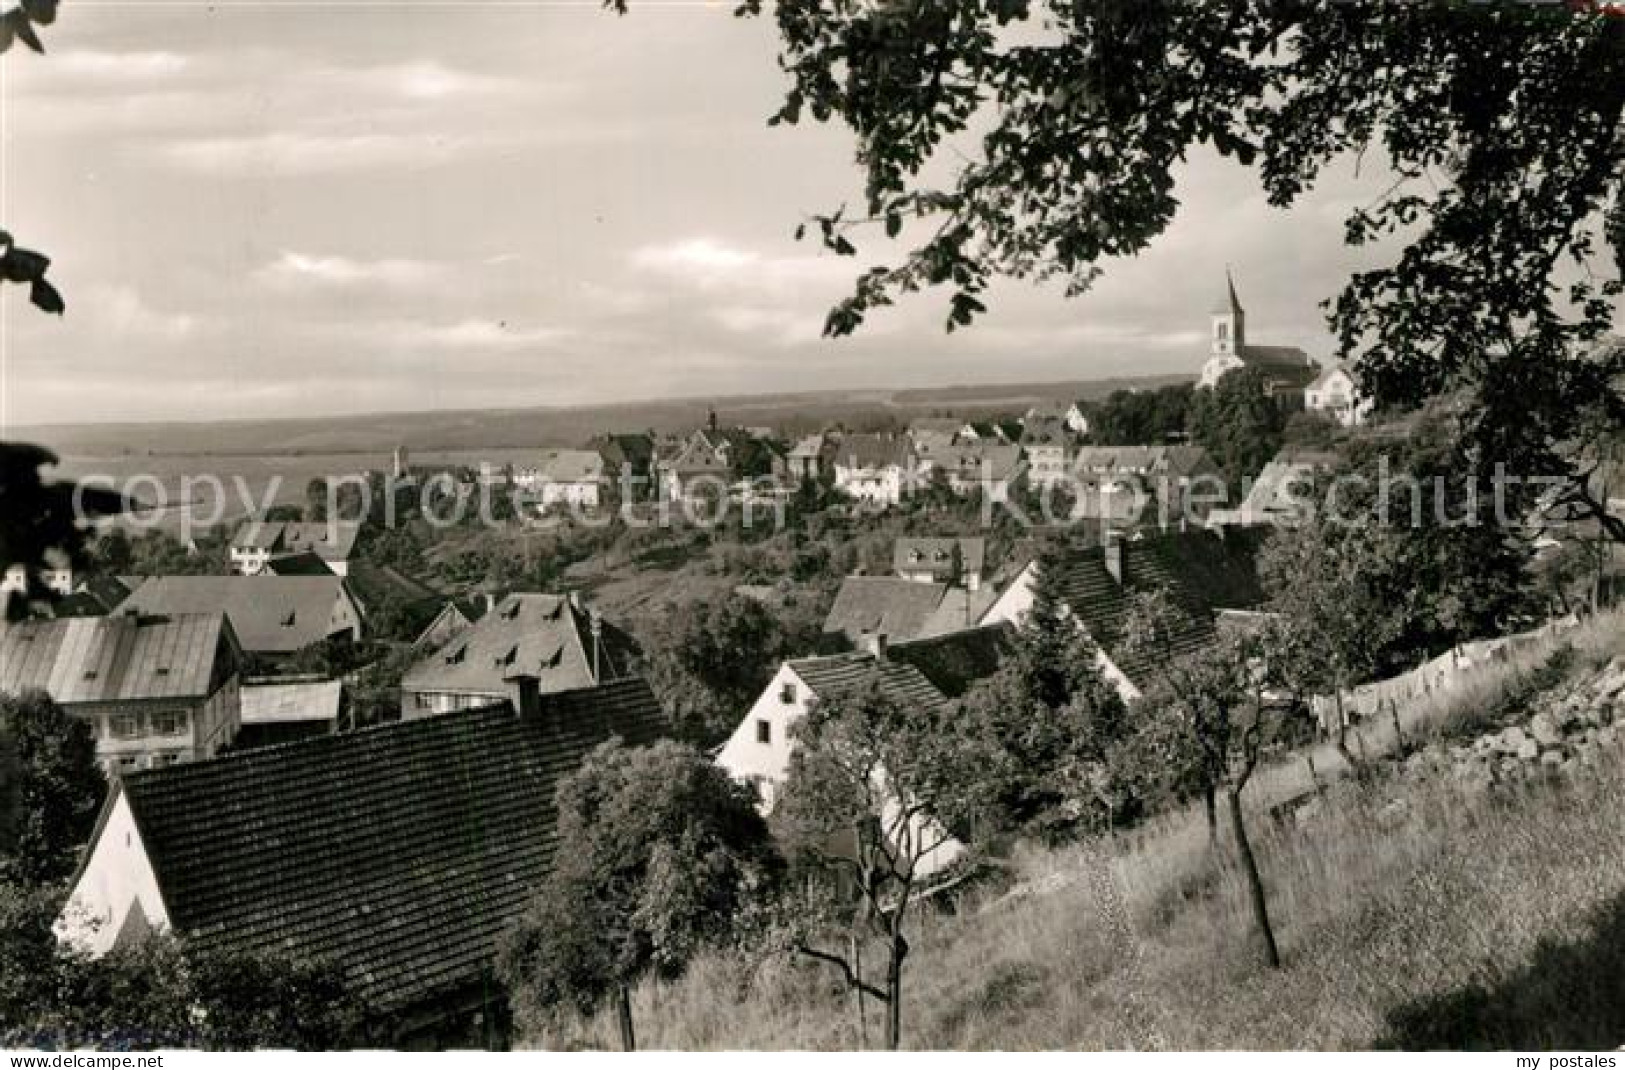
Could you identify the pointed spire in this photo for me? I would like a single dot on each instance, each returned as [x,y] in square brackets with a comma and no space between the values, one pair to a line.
[1229,304]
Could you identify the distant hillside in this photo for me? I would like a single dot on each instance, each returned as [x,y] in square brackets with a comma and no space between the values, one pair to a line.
[477,429]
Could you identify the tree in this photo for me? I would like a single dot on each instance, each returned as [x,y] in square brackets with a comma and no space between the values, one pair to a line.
[870,796]
[658,852]
[1037,732]
[58,791]
[1042,138]
[1209,719]
[1238,423]
[1141,417]
[37,516]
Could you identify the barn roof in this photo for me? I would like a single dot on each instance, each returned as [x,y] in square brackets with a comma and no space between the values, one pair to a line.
[397,853]
[108,659]
[887,605]
[270,614]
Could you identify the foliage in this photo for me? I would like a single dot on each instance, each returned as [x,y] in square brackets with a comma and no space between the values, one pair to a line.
[870,794]
[1036,734]
[1141,417]
[37,516]
[1238,423]
[57,792]
[712,658]
[659,851]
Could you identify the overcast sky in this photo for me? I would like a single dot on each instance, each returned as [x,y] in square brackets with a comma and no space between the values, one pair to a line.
[257,210]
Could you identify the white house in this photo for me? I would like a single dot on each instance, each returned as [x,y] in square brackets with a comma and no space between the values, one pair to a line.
[1335,393]
[759,750]
[115,899]
[873,468]
[563,477]
[256,543]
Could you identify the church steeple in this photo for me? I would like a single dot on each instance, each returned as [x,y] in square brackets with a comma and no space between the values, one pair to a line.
[1229,321]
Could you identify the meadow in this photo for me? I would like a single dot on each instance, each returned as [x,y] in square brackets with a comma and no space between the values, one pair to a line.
[1409,916]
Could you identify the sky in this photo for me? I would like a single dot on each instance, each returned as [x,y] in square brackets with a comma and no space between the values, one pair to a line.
[284,209]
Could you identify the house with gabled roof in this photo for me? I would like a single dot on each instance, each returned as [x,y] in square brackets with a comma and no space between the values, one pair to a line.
[986,466]
[941,560]
[551,637]
[1336,395]
[273,616]
[358,850]
[1204,572]
[155,689]
[257,542]
[874,469]
[562,477]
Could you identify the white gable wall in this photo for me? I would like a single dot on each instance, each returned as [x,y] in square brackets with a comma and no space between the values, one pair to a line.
[767,765]
[117,877]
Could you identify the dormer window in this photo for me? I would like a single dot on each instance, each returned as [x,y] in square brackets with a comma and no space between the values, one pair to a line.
[456,656]
[289,617]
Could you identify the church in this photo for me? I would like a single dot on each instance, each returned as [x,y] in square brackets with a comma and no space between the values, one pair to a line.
[1287,368]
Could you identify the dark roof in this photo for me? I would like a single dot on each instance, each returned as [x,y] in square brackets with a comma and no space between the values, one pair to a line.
[895,607]
[306,563]
[1228,303]
[836,673]
[397,853]
[333,540]
[1202,571]
[270,614]
[373,585]
[542,635]
[956,660]
[117,658]
[871,451]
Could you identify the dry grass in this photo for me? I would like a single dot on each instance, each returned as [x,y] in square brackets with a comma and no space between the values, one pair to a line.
[1450,920]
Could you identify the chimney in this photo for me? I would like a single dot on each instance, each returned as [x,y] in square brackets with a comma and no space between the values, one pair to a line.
[524,694]
[1112,545]
[874,644]
[597,626]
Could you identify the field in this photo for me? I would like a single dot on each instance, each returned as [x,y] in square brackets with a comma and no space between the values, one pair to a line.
[1408,917]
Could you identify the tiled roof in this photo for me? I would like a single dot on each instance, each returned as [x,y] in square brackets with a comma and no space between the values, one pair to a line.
[542,635]
[1276,358]
[1201,571]
[836,673]
[972,460]
[275,703]
[916,554]
[897,608]
[373,585]
[872,451]
[398,853]
[108,659]
[301,564]
[954,661]
[270,614]
[332,540]
[570,466]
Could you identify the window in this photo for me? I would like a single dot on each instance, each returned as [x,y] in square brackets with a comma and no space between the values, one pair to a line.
[169,723]
[787,693]
[124,726]
[764,731]
[165,758]
[1223,331]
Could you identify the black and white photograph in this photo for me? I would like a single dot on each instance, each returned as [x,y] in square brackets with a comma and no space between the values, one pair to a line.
[811,525]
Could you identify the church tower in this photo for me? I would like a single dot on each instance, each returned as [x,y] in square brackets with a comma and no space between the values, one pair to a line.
[1229,322]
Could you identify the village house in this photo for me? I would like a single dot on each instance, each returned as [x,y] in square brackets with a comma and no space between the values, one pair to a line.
[1119,483]
[1335,394]
[929,560]
[56,576]
[273,617]
[257,542]
[398,853]
[874,469]
[1204,572]
[986,467]
[904,608]
[629,463]
[1282,493]
[1287,369]
[810,458]
[562,477]
[552,638]
[1047,446]
[710,461]
[759,750]
[155,690]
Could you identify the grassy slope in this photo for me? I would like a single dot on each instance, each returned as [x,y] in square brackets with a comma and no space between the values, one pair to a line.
[1447,921]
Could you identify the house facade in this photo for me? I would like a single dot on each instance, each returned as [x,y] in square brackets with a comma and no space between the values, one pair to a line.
[1336,395]
[155,690]
[874,469]
[563,477]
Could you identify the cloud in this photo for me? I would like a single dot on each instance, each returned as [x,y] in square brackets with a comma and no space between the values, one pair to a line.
[122,311]
[708,263]
[292,269]
[472,334]
[315,153]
